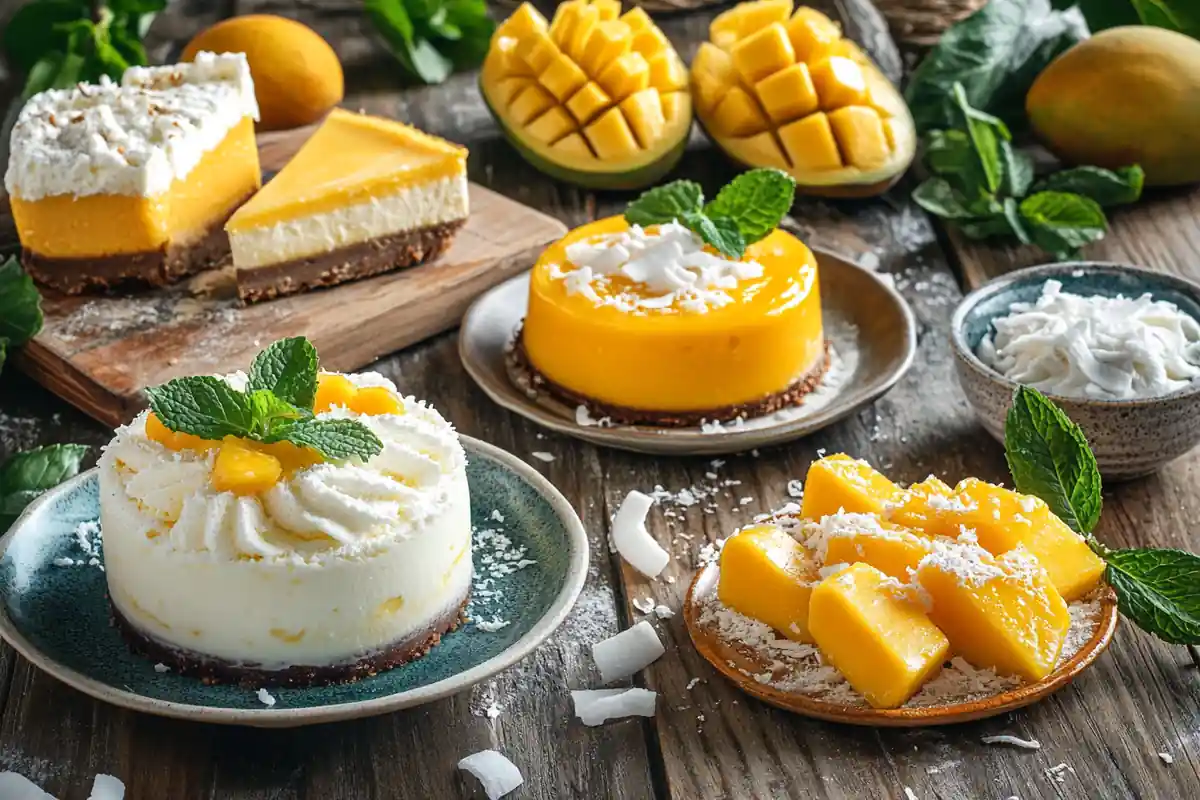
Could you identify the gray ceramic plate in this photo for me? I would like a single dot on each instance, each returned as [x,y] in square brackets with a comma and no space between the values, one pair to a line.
[58,618]
[869,325]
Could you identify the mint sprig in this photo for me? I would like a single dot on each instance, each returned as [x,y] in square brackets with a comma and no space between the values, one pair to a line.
[20,307]
[743,212]
[25,475]
[1049,457]
[277,406]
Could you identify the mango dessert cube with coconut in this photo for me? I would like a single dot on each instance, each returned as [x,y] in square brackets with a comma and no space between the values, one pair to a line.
[976,570]
[594,97]
[781,88]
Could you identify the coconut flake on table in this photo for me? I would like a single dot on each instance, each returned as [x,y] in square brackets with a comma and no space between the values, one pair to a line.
[14,786]
[498,775]
[597,706]
[1109,348]
[541,455]
[633,541]
[106,787]
[630,651]
[1015,741]
[265,698]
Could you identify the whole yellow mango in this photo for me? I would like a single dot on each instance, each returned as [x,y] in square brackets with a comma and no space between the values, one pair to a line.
[1128,95]
[297,76]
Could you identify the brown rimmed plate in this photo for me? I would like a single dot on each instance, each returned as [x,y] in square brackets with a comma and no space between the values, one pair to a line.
[730,660]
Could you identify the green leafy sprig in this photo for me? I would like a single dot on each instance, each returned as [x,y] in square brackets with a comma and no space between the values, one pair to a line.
[26,475]
[1049,457]
[745,210]
[985,187]
[20,307]
[277,405]
[432,38]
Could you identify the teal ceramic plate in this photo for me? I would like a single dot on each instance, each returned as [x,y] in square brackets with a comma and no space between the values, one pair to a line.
[57,616]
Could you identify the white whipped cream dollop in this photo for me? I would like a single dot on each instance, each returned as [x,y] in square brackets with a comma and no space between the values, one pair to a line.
[135,138]
[670,264]
[1110,348]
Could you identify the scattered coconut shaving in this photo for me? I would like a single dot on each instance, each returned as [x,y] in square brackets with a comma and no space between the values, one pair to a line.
[14,786]
[597,706]
[497,774]
[662,612]
[265,698]
[1167,758]
[106,787]
[496,557]
[630,651]
[542,455]
[633,541]
[1015,741]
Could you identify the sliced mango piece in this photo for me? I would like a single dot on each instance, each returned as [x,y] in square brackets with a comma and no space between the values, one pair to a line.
[291,457]
[581,31]
[788,94]
[174,440]
[507,57]
[860,135]
[509,88]
[921,506]
[667,73]
[813,35]
[574,147]
[588,102]
[714,61]
[526,19]
[566,19]
[538,51]
[738,114]
[530,104]
[768,575]
[882,641]
[243,469]
[333,391]
[747,18]
[763,53]
[1001,614]
[608,9]
[551,126]
[609,40]
[674,105]
[610,135]
[627,74]
[637,19]
[762,149]
[891,549]
[840,82]
[725,39]
[707,90]
[375,400]
[841,483]
[644,112]
[810,143]
[563,77]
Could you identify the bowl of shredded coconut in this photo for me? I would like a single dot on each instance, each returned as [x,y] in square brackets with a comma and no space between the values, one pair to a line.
[1116,347]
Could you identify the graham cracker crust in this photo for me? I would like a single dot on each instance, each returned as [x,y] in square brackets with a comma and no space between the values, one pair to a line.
[518,362]
[154,268]
[212,670]
[361,260]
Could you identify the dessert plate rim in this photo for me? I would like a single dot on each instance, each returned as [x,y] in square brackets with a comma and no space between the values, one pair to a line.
[483,356]
[904,717]
[559,609]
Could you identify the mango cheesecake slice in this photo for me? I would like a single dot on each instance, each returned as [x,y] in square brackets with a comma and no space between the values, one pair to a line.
[363,196]
[132,183]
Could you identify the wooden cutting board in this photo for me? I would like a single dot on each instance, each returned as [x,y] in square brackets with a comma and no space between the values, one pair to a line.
[99,352]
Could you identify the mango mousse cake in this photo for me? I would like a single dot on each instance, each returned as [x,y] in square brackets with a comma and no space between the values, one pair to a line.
[364,195]
[299,528]
[640,319]
[885,584]
[134,182]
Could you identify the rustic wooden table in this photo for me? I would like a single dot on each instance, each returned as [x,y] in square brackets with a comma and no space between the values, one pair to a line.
[707,741]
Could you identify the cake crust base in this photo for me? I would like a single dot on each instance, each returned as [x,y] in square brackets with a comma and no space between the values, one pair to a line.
[156,268]
[361,260]
[212,670]
[518,361]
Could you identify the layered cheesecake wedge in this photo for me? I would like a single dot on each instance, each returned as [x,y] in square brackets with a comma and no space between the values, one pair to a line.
[235,559]
[134,182]
[363,196]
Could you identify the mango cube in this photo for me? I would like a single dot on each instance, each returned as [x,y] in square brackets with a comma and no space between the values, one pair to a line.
[609,40]
[738,114]
[1001,614]
[810,143]
[573,145]
[840,82]
[841,483]
[882,641]
[788,94]
[243,469]
[524,20]
[610,135]
[174,440]
[566,18]
[644,112]
[628,74]
[714,61]
[530,104]
[637,19]
[509,88]
[763,53]
[746,18]
[376,400]
[859,132]
[1003,520]
[608,9]
[763,148]
[563,77]
[768,575]
[923,505]
[667,73]
[333,391]
[674,105]
[291,457]
[588,102]
[551,126]
[813,35]
[888,548]
[538,51]
[577,37]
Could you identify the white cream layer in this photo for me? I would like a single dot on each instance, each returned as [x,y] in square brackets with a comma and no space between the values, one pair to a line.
[338,561]
[410,208]
[136,138]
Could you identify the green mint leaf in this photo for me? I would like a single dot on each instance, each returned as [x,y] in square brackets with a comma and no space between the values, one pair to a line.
[939,197]
[951,155]
[26,475]
[755,201]
[1049,458]
[33,31]
[986,133]
[721,233]
[1106,187]
[203,406]
[667,203]
[1181,16]
[273,414]
[1017,166]
[415,47]
[20,304]
[1061,223]
[1158,589]
[334,438]
[287,368]
[471,17]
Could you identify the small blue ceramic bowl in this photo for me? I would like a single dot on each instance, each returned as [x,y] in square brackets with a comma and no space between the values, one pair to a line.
[1130,438]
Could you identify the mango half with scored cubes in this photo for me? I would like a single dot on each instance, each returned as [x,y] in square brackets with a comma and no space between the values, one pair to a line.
[594,97]
[780,88]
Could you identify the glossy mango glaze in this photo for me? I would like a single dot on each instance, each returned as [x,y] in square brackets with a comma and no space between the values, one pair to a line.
[672,360]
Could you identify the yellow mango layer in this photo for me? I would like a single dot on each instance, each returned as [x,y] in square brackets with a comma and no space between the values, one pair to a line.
[768,576]
[841,483]
[882,642]
[667,360]
[1002,614]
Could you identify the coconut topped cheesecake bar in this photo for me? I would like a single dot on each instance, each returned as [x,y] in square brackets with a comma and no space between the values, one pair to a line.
[133,182]
[324,535]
